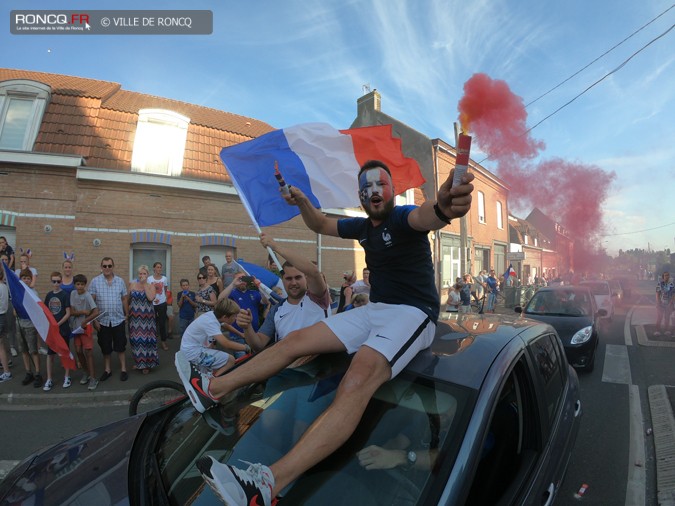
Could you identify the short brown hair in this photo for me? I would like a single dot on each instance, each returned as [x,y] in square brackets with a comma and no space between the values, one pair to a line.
[225,307]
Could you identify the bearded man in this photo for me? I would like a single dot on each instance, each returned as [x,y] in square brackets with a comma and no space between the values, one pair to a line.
[383,336]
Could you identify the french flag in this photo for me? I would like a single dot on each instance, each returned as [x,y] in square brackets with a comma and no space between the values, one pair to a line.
[320,160]
[266,277]
[509,272]
[29,307]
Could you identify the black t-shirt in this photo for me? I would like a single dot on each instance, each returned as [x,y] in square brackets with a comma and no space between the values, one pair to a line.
[399,259]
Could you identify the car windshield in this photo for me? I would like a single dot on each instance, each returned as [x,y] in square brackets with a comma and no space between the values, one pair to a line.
[598,288]
[560,302]
[406,413]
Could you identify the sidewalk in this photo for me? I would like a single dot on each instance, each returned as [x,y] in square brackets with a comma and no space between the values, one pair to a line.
[13,393]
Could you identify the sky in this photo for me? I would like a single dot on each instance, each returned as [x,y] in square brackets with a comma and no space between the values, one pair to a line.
[290,62]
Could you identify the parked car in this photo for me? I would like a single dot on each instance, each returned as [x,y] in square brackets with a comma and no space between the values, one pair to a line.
[602,294]
[573,313]
[489,413]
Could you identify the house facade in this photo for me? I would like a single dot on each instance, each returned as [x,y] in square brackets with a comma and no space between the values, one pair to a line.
[90,168]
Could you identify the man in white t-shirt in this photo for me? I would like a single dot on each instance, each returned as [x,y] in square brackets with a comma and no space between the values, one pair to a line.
[198,344]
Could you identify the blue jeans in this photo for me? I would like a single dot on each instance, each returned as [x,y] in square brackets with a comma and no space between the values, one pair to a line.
[183,324]
[492,300]
[235,338]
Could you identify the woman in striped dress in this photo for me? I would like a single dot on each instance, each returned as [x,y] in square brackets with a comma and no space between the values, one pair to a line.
[142,328]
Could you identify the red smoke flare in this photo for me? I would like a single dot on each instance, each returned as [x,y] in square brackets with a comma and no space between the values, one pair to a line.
[570,193]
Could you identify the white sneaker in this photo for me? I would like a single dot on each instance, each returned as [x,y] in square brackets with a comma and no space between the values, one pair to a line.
[236,486]
[67,382]
[5,376]
[13,351]
[84,380]
[195,382]
[49,384]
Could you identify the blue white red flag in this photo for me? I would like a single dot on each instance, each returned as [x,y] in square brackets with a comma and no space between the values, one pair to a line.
[320,160]
[509,272]
[266,277]
[29,307]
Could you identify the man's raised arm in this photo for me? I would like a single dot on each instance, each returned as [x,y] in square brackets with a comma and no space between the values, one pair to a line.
[313,217]
[316,284]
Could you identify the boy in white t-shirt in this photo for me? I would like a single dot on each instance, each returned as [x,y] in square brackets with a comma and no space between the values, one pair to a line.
[201,336]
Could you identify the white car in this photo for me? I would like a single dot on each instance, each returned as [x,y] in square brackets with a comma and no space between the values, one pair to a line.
[602,294]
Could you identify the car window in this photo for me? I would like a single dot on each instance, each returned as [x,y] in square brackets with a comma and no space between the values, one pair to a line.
[568,302]
[598,288]
[405,414]
[547,358]
[512,441]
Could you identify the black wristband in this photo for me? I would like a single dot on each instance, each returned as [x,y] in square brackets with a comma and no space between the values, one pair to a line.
[440,215]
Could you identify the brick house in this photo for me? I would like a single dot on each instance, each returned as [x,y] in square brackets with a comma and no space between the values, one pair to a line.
[90,168]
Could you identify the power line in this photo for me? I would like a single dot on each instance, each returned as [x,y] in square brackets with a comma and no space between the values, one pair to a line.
[601,79]
[599,57]
[638,231]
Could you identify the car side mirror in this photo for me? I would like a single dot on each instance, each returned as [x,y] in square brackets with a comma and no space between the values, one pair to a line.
[518,309]
[601,313]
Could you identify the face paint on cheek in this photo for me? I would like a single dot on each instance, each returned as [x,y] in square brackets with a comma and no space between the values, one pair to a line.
[375,181]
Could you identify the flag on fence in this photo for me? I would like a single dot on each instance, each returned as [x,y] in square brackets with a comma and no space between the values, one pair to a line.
[320,160]
[509,272]
[29,307]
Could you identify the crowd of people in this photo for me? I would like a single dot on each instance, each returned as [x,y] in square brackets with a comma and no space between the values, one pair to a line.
[137,315]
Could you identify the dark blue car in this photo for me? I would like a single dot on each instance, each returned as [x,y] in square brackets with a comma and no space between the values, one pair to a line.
[487,415]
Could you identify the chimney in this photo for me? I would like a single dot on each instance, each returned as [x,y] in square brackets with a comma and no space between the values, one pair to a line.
[368,103]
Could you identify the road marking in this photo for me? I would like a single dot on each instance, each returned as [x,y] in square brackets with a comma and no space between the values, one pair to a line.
[637,471]
[663,424]
[626,327]
[616,368]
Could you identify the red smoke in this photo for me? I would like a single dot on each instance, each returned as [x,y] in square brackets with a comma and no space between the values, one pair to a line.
[570,193]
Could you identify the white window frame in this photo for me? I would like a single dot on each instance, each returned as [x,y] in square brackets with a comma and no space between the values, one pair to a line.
[481,207]
[159,143]
[500,216]
[38,94]
[406,198]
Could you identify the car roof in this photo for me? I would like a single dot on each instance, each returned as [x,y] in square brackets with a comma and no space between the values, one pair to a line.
[464,349]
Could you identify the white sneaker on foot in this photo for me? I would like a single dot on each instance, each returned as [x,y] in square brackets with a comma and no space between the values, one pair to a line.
[93,383]
[196,383]
[5,376]
[49,384]
[67,382]
[235,486]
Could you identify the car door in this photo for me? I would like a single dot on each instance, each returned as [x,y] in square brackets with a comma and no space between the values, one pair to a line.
[557,391]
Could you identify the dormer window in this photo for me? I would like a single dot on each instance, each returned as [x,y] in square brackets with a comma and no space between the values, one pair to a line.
[22,106]
[159,144]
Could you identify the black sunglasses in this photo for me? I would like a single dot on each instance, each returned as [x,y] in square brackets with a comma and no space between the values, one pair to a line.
[107,266]
[55,281]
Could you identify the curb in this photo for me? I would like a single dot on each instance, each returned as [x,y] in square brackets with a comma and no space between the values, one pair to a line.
[663,425]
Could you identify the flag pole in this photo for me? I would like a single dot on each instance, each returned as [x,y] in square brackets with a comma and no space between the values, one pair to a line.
[247,206]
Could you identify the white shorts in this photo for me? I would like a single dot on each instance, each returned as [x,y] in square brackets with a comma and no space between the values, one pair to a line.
[396,331]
